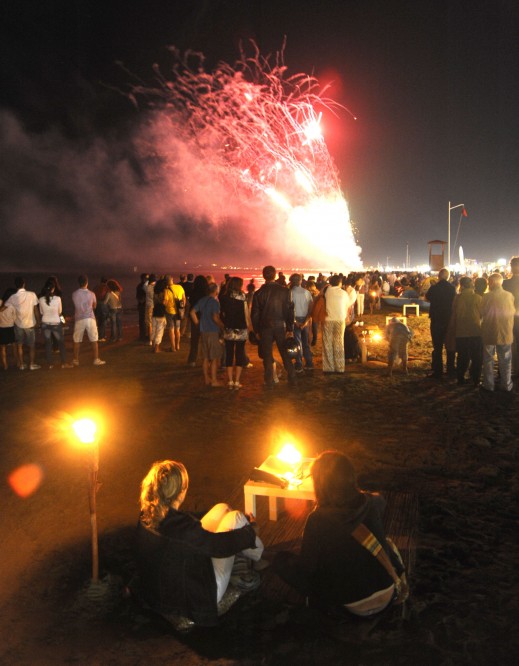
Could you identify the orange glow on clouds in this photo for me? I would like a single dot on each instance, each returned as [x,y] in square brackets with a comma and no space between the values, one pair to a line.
[25,480]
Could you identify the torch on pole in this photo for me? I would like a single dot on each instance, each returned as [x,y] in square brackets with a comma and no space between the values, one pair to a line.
[85,430]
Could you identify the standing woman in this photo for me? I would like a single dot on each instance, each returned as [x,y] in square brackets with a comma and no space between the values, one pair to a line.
[115,309]
[200,289]
[234,313]
[51,322]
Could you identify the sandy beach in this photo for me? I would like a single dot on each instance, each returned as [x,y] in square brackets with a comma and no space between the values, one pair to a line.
[455,449]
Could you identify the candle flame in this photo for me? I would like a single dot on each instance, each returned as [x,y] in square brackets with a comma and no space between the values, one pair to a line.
[290,454]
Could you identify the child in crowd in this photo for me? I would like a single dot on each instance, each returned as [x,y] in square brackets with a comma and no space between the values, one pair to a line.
[398,336]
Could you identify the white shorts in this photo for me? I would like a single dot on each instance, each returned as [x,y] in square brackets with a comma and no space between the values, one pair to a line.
[88,325]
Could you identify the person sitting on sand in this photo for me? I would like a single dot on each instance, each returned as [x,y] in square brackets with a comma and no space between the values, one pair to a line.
[346,561]
[398,336]
[186,564]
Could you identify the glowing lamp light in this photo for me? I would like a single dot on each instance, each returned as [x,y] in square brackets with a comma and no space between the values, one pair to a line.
[376,337]
[85,430]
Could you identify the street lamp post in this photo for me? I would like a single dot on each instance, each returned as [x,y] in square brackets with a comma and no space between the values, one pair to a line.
[449,233]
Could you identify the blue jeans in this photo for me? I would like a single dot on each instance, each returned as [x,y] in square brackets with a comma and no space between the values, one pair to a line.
[301,335]
[102,314]
[53,331]
[116,325]
[504,361]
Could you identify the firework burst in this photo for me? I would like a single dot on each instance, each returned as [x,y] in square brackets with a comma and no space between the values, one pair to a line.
[257,131]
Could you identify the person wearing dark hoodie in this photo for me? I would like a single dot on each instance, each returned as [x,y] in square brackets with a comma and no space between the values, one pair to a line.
[337,566]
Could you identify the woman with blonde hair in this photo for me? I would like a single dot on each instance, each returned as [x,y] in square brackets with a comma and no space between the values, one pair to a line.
[344,547]
[186,563]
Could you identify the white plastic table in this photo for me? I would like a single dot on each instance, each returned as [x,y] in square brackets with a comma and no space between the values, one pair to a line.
[304,491]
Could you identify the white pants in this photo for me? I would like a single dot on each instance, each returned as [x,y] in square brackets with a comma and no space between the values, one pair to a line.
[221,518]
[333,346]
[504,361]
[158,326]
[360,304]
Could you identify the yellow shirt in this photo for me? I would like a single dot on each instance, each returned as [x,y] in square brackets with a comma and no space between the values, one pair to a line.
[174,292]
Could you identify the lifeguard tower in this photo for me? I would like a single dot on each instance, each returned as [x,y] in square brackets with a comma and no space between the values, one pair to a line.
[436,254]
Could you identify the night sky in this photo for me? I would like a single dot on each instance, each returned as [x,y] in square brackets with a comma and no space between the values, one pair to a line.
[434,85]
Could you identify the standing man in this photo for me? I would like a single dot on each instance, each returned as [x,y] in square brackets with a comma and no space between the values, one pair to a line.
[303,303]
[272,319]
[337,303]
[27,317]
[440,296]
[206,312]
[175,302]
[140,295]
[467,330]
[512,285]
[497,311]
[84,320]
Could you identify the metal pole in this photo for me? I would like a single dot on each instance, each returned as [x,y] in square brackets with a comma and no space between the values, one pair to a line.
[449,239]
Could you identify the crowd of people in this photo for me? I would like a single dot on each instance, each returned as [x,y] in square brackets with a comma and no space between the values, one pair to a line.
[192,568]
[472,318]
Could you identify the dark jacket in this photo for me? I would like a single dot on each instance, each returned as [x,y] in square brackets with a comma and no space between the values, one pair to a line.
[333,568]
[441,296]
[272,307]
[512,285]
[175,568]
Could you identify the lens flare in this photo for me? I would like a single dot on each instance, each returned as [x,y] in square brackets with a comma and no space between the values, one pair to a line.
[26,479]
[258,133]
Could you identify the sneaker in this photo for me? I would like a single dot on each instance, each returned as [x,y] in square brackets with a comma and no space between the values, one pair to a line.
[74,362]
[180,623]
[102,340]
[67,365]
[34,366]
[22,367]
[99,362]
[230,385]
[237,386]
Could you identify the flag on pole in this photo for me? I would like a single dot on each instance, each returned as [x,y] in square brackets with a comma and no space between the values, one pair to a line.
[464,213]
